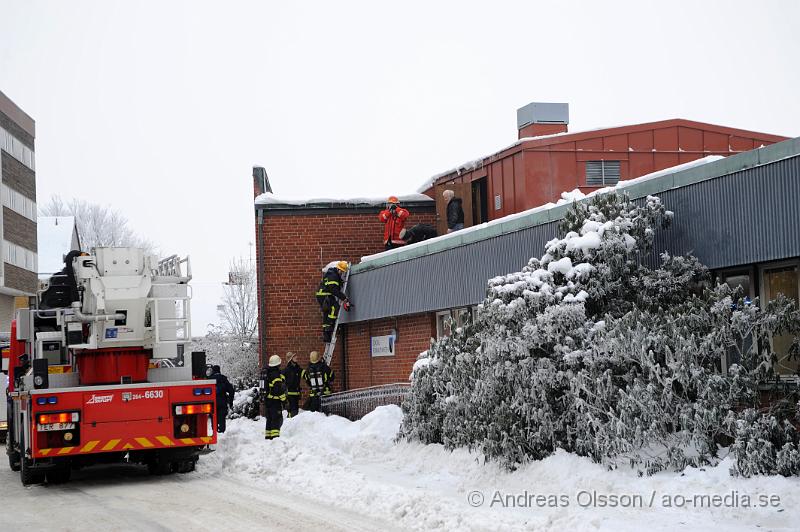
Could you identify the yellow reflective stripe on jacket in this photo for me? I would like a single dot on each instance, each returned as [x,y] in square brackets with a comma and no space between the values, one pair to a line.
[323,293]
[281,397]
[331,281]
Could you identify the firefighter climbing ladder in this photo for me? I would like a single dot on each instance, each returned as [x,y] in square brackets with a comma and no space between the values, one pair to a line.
[331,346]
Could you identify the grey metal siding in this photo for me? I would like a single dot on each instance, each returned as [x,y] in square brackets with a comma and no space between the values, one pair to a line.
[746,217]
[452,278]
[743,218]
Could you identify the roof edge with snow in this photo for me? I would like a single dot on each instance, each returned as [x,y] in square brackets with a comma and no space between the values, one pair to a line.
[572,136]
[272,202]
[658,182]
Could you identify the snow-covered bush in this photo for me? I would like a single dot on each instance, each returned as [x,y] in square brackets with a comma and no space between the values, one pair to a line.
[588,350]
[245,404]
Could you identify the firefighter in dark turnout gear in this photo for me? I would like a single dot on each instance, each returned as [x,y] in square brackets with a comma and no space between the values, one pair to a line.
[330,295]
[319,378]
[273,392]
[291,373]
[224,396]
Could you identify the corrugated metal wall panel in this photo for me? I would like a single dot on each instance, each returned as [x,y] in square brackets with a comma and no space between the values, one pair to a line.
[448,279]
[743,218]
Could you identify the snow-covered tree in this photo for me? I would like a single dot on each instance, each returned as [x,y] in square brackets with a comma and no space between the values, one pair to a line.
[98,225]
[238,311]
[238,360]
[589,350]
[233,344]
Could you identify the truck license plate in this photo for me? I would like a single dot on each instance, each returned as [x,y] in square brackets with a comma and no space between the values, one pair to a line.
[55,426]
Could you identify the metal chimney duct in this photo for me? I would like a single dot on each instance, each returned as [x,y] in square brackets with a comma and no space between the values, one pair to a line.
[542,118]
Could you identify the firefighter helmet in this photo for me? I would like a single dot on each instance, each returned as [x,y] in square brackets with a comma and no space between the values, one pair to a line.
[274,360]
[342,266]
[313,357]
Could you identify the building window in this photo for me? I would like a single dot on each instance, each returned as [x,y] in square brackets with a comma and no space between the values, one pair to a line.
[19,203]
[602,173]
[448,319]
[16,149]
[20,256]
[782,279]
[742,278]
[443,324]
[462,316]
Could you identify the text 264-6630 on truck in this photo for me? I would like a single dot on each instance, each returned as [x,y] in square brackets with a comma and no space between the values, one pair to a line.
[96,372]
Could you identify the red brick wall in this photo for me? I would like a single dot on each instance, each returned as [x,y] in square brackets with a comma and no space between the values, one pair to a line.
[292,250]
[414,334]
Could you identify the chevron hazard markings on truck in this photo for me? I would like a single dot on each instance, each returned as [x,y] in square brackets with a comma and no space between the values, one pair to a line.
[131,444]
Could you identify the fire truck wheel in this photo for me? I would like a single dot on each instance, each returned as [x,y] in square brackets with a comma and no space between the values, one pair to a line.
[185,466]
[13,460]
[159,467]
[59,475]
[27,474]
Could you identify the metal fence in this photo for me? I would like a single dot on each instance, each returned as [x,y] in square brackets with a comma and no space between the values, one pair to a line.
[355,404]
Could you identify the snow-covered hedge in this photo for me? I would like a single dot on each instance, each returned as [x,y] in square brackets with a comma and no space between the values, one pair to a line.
[588,350]
[245,404]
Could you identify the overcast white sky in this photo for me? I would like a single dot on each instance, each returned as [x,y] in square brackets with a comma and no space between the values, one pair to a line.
[160,109]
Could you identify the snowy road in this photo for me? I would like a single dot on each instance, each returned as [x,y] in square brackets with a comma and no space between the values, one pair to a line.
[326,473]
[126,498]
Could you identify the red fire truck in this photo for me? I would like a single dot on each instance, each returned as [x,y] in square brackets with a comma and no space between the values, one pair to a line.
[96,372]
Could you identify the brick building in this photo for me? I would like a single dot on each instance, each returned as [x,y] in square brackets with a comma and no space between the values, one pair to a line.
[404,297]
[738,215]
[547,160]
[18,266]
[294,241]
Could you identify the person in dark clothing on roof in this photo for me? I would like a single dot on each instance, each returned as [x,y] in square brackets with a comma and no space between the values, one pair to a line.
[418,233]
[455,212]
[224,396]
[330,296]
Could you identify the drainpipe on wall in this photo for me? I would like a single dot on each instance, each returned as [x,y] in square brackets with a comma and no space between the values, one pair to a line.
[260,273]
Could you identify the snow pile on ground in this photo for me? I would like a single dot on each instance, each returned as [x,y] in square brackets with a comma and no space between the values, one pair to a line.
[359,466]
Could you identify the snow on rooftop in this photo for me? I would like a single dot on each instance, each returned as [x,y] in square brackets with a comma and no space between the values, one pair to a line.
[271,199]
[54,235]
[566,197]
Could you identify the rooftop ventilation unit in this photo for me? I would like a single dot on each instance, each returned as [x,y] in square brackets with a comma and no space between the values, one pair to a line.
[542,113]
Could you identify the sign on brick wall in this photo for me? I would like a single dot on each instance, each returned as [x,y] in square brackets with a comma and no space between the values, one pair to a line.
[382,346]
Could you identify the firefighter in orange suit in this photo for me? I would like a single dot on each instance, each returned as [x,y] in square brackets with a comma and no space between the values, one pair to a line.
[394,220]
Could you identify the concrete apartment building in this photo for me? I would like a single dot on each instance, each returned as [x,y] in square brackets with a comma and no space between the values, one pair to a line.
[18,266]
